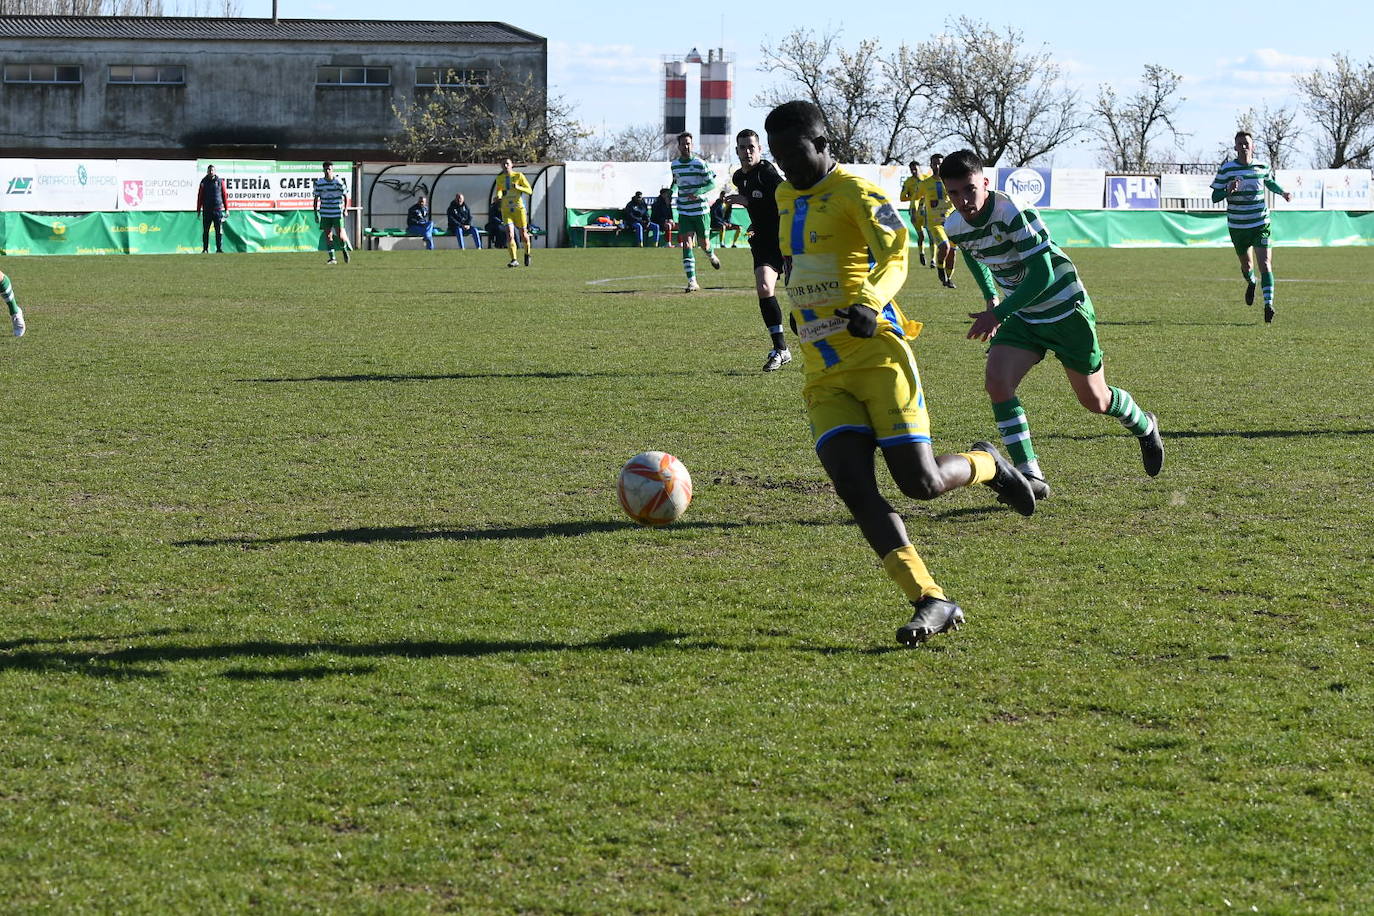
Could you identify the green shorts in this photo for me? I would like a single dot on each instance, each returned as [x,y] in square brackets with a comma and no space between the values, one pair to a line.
[1072,339]
[1245,239]
[692,225]
[331,222]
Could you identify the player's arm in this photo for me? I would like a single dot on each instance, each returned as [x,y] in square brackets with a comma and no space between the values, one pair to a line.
[886,236]
[1274,186]
[1220,188]
[523,185]
[982,276]
[906,191]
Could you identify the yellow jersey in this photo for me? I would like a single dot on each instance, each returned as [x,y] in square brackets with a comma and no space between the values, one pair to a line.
[938,204]
[510,188]
[848,246]
[911,191]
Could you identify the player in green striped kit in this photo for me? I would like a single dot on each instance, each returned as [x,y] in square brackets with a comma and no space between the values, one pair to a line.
[12,303]
[694,181]
[1241,182]
[1046,309]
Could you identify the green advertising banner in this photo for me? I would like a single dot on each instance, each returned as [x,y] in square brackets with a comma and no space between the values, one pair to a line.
[155,232]
[1180,229]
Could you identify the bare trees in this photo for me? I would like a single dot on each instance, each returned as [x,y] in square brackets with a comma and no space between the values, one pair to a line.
[1275,131]
[874,105]
[1340,102]
[971,84]
[1128,128]
[509,116]
[1004,101]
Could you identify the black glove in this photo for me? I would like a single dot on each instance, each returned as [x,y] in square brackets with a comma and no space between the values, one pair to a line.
[863,321]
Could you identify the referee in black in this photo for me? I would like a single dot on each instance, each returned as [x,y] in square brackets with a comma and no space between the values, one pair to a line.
[754,182]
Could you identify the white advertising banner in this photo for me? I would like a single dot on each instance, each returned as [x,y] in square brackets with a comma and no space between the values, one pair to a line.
[59,185]
[1077,189]
[887,177]
[158,184]
[266,184]
[606,185]
[1345,189]
[1185,187]
[1304,184]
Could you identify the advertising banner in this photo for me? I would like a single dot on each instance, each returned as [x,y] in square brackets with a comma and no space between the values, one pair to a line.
[1304,184]
[1077,189]
[157,184]
[1133,192]
[1345,189]
[1029,187]
[153,232]
[59,185]
[603,185]
[265,184]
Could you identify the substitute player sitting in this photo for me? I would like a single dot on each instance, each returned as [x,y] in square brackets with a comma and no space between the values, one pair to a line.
[863,392]
[1009,251]
[511,188]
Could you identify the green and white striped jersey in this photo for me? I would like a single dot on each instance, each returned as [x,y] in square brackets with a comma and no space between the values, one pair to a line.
[333,196]
[1246,207]
[1004,241]
[693,177]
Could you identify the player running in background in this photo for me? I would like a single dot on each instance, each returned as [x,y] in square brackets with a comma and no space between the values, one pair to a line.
[12,303]
[511,188]
[938,208]
[755,181]
[331,195]
[1241,182]
[863,391]
[694,181]
[1009,251]
[911,191]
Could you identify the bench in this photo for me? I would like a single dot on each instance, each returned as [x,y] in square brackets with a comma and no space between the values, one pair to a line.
[390,239]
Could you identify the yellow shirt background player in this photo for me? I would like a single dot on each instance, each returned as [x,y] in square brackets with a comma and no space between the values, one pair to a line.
[938,206]
[848,248]
[511,188]
[911,191]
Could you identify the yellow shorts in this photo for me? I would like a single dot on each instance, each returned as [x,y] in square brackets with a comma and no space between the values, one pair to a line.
[886,402]
[515,214]
[936,231]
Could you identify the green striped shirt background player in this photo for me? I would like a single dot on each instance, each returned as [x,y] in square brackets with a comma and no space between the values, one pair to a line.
[331,196]
[694,182]
[1242,182]
[1046,309]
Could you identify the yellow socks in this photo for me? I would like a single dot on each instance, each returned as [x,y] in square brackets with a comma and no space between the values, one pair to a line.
[905,567]
[984,468]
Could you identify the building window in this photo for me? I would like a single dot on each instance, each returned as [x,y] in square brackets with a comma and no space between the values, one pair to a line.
[42,73]
[452,77]
[148,75]
[352,76]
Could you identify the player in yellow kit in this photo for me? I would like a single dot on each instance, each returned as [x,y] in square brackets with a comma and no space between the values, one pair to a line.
[863,391]
[911,191]
[938,206]
[511,188]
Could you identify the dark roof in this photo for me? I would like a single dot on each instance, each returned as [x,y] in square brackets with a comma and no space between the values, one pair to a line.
[209,28]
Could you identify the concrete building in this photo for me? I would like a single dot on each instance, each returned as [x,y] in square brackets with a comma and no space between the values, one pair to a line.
[179,87]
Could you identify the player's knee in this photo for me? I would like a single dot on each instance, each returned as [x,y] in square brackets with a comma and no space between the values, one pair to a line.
[919,483]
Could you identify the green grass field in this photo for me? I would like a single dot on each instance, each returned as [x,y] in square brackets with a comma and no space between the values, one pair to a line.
[316,597]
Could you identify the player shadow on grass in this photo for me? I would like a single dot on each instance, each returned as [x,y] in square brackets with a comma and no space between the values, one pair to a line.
[1217,434]
[458,376]
[127,662]
[400,533]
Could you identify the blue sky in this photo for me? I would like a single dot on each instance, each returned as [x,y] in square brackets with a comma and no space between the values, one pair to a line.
[1231,55]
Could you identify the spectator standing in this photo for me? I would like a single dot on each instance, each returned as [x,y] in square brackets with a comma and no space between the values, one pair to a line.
[212,201]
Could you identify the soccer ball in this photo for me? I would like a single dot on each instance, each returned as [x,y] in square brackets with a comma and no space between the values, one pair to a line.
[654,488]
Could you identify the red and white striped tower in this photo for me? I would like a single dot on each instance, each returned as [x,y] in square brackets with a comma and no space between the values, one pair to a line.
[674,102]
[717,104]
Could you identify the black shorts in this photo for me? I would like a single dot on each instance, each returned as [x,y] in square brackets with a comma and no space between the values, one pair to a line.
[765,253]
